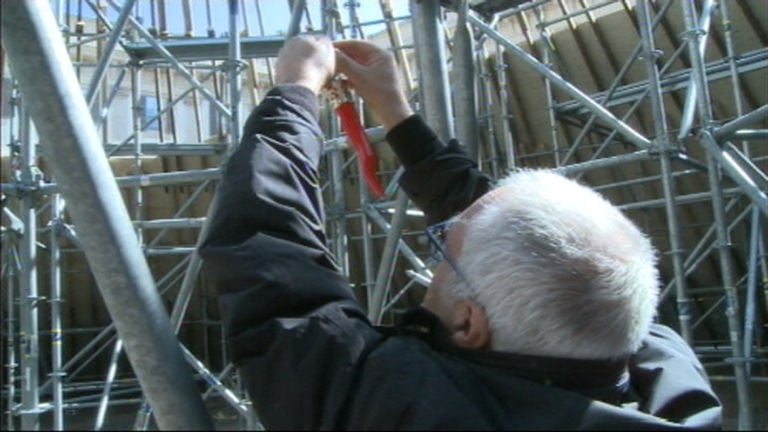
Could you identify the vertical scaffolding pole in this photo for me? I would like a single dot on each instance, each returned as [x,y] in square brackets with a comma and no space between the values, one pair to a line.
[297,12]
[464,85]
[546,58]
[506,134]
[751,294]
[28,315]
[665,146]
[336,162]
[428,37]
[486,104]
[50,90]
[10,264]
[234,75]
[365,233]
[715,174]
[433,75]
[690,100]
[57,374]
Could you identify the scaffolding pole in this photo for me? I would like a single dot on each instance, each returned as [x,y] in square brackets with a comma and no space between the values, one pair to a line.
[464,91]
[52,94]
[664,143]
[29,299]
[704,109]
[433,74]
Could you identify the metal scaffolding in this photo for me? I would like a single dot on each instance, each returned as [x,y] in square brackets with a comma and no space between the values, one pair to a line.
[115,126]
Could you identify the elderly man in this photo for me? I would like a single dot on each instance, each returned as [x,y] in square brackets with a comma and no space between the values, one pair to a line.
[539,315]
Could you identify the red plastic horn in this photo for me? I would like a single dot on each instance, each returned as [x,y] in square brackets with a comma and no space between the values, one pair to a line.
[350,123]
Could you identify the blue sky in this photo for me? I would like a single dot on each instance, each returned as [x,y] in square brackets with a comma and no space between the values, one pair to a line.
[275,14]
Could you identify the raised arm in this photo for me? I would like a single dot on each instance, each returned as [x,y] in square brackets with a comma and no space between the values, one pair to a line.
[292,323]
[441,180]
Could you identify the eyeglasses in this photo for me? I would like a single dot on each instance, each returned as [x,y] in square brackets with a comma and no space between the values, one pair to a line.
[436,235]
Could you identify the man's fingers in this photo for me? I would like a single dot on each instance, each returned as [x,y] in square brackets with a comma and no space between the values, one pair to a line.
[359,51]
[346,65]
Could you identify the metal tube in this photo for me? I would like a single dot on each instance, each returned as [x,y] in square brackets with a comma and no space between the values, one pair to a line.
[751,294]
[663,140]
[736,86]
[573,169]
[576,13]
[395,40]
[682,199]
[338,208]
[608,94]
[336,166]
[102,116]
[524,7]
[703,247]
[732,127]
[51,91]
[732,307]
[365,232]
[144,180]
[169,223]
[753,188]
[486,103]
[186,205]
[629,133]
[169,178]
[111,372]
[751,134]
[755,60]
[190,276]
[403,247]
[296,14]
[629,113]
[106,331]
[375,135]
[188,22]
[56,334]
[546,59]
[28,314]
[101,68]
[228,395]
[10,286]
[464,91]
[234,75]
[686,122]
[388,255]
[506,134]
[355,29]
[160,113]
[182,70]
[433,75]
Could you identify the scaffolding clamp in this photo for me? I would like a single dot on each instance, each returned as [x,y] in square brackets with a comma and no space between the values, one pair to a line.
[27,180]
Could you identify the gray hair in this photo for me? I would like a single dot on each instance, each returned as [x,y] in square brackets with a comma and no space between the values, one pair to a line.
[559,270]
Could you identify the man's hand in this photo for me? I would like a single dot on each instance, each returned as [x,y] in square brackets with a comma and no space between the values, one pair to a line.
[373,73]
[306,60]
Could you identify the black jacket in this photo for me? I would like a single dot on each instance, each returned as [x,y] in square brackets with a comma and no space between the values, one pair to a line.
[309,357]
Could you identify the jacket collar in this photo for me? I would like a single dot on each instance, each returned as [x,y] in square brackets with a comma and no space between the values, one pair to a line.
[603,379]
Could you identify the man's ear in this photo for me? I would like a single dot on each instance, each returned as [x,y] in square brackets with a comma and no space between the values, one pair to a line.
[469,325]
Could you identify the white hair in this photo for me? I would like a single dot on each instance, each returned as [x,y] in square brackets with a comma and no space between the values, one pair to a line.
[559,270]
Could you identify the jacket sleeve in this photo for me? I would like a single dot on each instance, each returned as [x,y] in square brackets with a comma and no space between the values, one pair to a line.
[441,180]
[671,382]
[293,325]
